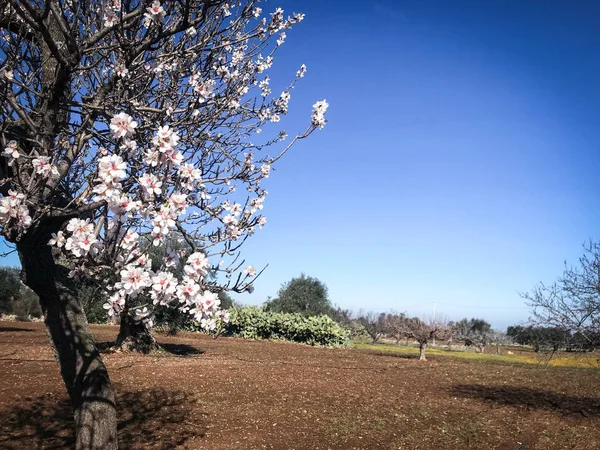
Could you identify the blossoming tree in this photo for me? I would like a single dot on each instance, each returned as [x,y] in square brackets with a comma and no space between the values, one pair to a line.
[124,123]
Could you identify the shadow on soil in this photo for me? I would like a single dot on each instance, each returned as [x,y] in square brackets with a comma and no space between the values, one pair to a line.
[530,398]
[12,329]
[157,418]
[173,349]
[181,349]
[394,354]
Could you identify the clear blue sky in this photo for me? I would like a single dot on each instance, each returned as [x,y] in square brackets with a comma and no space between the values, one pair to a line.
[459,165]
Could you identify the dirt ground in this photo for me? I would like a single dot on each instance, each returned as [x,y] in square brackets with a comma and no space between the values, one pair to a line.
[234,394]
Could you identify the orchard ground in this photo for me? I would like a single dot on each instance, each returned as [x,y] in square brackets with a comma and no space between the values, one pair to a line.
[229,393]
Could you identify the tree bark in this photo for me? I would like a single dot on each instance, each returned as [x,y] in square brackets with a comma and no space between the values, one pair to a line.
[422,346]
[82,369]
[134,336]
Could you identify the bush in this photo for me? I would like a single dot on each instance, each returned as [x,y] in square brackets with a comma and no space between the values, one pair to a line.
[26,305]
[252,322]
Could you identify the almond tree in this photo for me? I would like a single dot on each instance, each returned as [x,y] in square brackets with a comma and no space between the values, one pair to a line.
[425,332]
[125,122]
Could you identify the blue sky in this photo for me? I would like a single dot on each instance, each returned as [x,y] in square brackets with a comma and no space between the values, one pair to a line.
[459,164]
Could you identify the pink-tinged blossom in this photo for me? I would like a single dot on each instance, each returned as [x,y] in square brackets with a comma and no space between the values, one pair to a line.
[209,302]
[134,279]
[165,139]
[187,291]
[155,13]
[250,271]
[114,304]
[110,18]
[151,185]
[208,324]
[43,167]
[164,287]
[196,266]
[144,315]
[11,150]
[58,239]
[122,125]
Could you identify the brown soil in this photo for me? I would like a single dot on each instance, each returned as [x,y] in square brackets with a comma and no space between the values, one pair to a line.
[233,394]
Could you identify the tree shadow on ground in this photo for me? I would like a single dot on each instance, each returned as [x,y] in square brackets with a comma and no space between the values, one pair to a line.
[394,354]
[530,398]
[12,329]
[150,419]
[181,349]
[173,349]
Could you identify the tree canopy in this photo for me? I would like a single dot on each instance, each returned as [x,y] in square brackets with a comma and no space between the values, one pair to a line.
[304,295]
[129,121]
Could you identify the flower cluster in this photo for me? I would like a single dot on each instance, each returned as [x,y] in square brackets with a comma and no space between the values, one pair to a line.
[12,208]
[318,115]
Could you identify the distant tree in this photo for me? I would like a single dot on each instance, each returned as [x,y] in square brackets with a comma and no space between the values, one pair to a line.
[395,326]
[304,295]
[500,338]
[226,300]
[425,332]
[539,337]
[374,324]
[26,304]
[476,332]
[10,286]
[347,319]
[572,303]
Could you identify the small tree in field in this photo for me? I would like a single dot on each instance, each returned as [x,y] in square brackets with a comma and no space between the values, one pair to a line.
[374,324]
[425,332]
[395,326]
[571,305]
[475,332]
[124,122]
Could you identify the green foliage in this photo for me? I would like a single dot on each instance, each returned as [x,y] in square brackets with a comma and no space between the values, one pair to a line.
[540,337]
[303,295]
[10,287]
[252,322]
[474,332]
[92,298]
[26,305]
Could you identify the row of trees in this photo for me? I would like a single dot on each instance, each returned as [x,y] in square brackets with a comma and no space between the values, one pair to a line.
[472,332]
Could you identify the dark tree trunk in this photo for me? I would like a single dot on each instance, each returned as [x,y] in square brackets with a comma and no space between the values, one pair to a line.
[134,336]
[81,367]
[422,346]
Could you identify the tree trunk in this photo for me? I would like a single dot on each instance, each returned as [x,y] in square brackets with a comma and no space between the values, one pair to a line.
[84,374]
[134,336]
[481,348]
[422,346]
[498,349]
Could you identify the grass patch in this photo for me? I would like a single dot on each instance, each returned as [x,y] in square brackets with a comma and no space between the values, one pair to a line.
[573,360]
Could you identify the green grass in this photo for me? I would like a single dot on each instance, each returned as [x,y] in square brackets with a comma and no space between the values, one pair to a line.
[558,360]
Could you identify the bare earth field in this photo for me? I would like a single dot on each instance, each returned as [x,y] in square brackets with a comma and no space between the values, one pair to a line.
[233,394]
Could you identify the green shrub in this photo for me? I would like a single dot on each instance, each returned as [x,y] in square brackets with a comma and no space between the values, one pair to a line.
[26,305]
[252,322]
